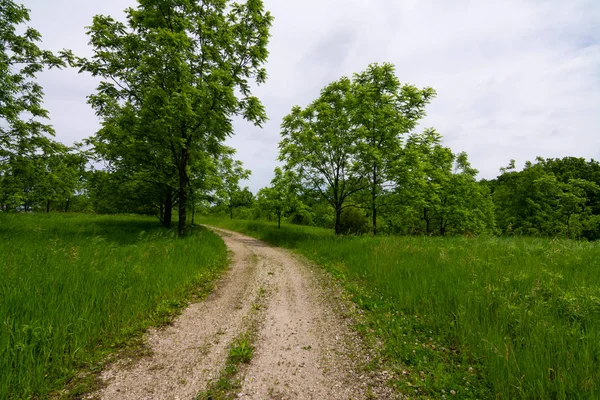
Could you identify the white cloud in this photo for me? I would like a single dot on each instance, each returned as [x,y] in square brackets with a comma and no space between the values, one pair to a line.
[515,79]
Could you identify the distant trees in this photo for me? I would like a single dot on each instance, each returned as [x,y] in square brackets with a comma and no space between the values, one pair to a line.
[550,197]
[229,191]
[346,141]
[440,187]
[281,196]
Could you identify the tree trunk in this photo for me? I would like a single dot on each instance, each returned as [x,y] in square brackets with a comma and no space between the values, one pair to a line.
[374,200]
[230,212]
[168,209]
[279,220]
[426,218]
[193,213]
[184,181]
[338,215]
[374,211]
[67,204]
[48,206]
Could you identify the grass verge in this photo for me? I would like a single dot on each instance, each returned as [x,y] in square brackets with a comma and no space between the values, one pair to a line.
[76,288]
[486,317]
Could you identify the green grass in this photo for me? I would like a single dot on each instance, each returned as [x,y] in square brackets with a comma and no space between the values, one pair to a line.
[74,288]
[506,318]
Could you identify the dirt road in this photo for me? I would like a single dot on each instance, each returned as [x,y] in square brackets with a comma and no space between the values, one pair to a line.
[305,348]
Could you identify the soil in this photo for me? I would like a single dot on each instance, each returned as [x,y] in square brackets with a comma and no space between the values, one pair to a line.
[305,347]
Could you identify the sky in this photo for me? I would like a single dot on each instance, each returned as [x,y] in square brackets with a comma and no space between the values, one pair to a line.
[515,79]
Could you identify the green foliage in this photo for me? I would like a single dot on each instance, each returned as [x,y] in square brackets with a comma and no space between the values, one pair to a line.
[117,192]
[347,140]
[241,351]
[281,197]
[75,287]
[384,111]
[172,77]
[353,221]
[552,197]
[35,171]
[349,146]
[488,317]
[320,144]
[45,180]
[301,215]
[20,60]
[437,191]
[228,191]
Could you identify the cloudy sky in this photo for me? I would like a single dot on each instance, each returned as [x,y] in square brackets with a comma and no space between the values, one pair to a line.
[515,79]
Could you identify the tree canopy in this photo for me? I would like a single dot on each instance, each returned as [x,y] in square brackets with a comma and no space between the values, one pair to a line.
[172,77]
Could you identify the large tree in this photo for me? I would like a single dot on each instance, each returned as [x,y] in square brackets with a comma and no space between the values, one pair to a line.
[181,69]
[320,143]
[384,111]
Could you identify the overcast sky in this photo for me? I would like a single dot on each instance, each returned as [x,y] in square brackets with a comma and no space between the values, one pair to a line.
[515,79]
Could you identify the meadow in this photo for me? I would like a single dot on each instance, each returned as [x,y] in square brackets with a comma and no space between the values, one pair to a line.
[487,317]
[76,288]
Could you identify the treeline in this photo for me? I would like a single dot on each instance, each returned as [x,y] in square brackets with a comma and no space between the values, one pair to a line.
[549,197]
[172,78]
[353,163]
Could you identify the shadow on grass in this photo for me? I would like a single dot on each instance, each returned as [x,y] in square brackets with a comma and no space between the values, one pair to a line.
[118,230]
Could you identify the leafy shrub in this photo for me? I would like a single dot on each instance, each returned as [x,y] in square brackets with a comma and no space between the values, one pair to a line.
[353,221]
[301,216]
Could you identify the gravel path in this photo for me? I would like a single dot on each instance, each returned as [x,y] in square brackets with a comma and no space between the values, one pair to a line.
[304,346]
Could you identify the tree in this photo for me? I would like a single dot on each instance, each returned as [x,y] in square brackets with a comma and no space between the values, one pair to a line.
[280,197]
[440,187]
[574,209]
[320,144]
[132,158]
[232,172]
[384,110]
[50,175]
[182,68]
[20,60]
[60,176]
[24,139]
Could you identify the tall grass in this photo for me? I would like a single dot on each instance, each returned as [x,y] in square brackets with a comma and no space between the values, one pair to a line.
[506,318]
[73,286]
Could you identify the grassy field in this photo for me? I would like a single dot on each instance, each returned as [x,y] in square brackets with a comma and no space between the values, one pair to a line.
[505,318]
[76,287]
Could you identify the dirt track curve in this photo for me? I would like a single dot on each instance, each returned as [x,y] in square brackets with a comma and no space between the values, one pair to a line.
[305,348]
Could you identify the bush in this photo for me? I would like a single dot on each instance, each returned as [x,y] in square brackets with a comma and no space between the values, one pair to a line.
[353,221]
[302,215]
